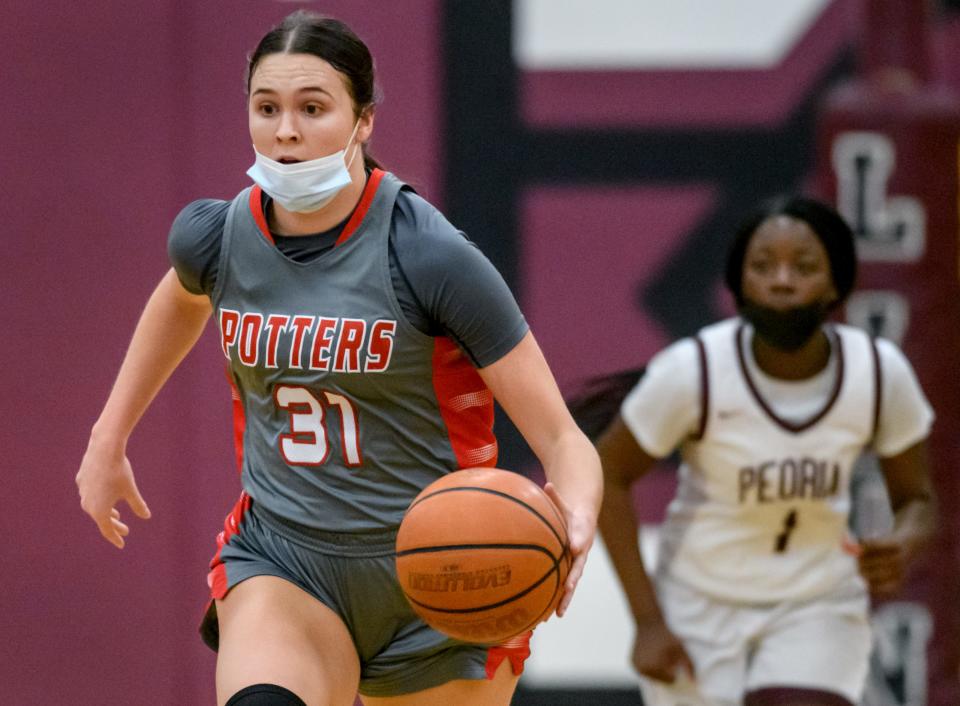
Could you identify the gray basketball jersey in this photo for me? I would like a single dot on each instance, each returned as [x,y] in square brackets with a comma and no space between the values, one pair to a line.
[348,411]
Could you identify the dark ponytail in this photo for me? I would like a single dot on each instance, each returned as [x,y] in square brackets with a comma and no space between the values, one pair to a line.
[594,407]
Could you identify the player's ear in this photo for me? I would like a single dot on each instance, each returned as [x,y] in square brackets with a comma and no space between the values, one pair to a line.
[365,129]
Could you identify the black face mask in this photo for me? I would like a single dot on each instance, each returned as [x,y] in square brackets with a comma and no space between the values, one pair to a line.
[786,329]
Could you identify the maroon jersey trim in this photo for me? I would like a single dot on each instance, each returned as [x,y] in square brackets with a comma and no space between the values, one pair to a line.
[794,696]
[878,387]
[790,426]
[704,390]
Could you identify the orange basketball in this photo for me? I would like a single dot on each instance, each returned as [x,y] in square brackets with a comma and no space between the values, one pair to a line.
[482,555]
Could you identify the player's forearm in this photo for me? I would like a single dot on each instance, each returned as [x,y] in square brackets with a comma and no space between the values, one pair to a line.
[170,325]
[618,527]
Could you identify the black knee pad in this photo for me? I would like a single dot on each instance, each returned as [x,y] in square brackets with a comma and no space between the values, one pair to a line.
[265,695]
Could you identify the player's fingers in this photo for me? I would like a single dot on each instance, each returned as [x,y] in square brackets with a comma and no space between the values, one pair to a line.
[109,533]
[687,663]
[884,574]
[852,547]
[569,588]
[879,554]
[580,533]
[119,527]
[663,673]
[881,568]
[94,506]
[115,513]
[576,571]
[579,536]
[98,502]
[885,589]
[881,558]
[136,502]
[868,555]
[551,490]
[573,577]
[877,578]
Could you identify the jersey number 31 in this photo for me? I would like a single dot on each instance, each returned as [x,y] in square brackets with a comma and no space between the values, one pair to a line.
[306,444]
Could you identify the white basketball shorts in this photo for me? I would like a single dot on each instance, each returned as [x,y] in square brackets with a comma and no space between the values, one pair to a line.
[820,644]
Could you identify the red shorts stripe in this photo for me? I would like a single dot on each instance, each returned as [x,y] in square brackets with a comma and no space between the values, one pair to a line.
[217,577]
[516,649]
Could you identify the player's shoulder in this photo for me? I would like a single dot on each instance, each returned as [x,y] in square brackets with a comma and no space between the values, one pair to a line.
[199,220]
[722,329]
[717,338]
[893,361]
[851,331]
[687,349]
[415,217]
[890,353]
[427,243]
[679,357]
[195,238]
[193,244]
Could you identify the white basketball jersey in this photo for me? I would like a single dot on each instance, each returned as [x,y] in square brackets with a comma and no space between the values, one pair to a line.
[761,510]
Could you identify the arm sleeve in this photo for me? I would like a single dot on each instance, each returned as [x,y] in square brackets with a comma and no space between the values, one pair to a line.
[194,244]
[664,408]
[462,293]
[905,414]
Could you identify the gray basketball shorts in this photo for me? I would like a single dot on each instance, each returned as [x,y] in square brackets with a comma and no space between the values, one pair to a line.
[355,576]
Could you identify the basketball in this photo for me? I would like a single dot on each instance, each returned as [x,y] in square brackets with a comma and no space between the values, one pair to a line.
[482,555]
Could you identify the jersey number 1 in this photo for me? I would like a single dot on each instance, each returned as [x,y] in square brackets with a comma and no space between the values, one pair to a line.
[306,444]
[789,524]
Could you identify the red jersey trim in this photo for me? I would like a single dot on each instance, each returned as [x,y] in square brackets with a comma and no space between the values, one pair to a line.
[369,191]
[466,406]
[239,420]
[256,208]
[366,198]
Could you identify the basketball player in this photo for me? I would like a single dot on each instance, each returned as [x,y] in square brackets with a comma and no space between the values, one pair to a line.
[759,596]
[367,339]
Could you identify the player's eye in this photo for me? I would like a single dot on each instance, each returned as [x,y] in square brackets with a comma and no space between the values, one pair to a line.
[807,267]
[267,109]
[313,109]
[759,267]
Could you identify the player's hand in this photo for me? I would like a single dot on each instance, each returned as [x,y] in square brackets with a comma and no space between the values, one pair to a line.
[581,529]
[659,654]
[882,563]
[105,477]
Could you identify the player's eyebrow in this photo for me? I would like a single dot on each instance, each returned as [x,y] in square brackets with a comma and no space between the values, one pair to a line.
[305,89]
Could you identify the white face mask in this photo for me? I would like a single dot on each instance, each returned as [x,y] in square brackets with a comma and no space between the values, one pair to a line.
[304,187]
